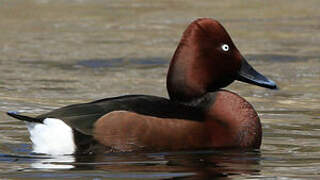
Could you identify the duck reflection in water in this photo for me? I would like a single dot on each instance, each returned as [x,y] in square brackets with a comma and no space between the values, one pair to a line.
[166,165]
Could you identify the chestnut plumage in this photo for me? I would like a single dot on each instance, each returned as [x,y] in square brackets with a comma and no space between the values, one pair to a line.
[198,115]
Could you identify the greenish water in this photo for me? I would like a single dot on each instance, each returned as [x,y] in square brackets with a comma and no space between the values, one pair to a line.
[58,52]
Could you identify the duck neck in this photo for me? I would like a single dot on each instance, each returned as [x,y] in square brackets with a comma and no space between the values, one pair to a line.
[180,92]
[185,82]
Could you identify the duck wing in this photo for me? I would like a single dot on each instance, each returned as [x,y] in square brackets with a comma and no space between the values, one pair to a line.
[82,117]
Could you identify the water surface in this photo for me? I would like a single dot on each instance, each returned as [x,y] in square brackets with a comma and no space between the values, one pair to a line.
[58,52]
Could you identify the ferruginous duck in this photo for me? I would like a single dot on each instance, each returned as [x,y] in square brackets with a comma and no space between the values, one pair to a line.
[198,115]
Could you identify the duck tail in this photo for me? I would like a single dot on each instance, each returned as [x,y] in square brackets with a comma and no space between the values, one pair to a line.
[16,115]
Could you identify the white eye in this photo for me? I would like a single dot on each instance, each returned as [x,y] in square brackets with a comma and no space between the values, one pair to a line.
[225,47]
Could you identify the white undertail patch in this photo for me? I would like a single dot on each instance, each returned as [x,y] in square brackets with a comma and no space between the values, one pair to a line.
[53,136]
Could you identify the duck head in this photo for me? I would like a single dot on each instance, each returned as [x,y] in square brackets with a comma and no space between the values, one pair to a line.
[206,60]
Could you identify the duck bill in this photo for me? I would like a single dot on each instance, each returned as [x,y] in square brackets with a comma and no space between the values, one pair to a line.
[249,75]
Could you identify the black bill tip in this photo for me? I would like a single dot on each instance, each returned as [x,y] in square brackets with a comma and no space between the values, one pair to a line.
[249,75]
[259,81]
